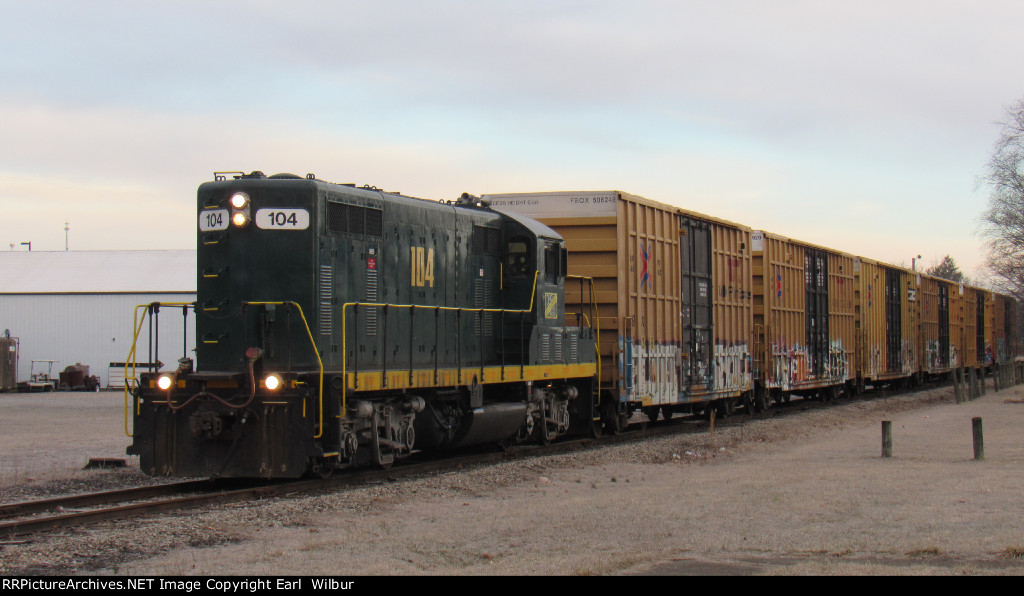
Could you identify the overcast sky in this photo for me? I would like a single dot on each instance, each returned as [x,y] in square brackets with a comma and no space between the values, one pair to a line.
[862,126]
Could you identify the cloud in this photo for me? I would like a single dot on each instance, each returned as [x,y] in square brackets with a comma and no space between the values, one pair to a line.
[764,113]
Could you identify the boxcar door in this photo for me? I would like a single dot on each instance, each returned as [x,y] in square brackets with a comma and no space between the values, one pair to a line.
[695,262]
[816,289]
[894,320]
[980,327]
[943,304]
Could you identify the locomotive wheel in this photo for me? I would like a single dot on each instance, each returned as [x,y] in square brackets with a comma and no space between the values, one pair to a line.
[543,436]
[322,470]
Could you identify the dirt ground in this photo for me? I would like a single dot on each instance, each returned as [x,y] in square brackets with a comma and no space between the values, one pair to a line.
[46,436]
[790,495]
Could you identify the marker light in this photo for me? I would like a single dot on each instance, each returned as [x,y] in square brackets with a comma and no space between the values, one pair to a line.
[239,200]
[239,219]
[164,382]
[272,382]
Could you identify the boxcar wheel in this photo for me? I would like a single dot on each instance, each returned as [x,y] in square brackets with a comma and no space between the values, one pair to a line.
[652,412]
[666,412]
[761,400]
[611,418]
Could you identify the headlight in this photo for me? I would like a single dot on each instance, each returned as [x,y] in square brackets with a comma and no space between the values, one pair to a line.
[164,382]
[272,382]
[239,219]
[239,200]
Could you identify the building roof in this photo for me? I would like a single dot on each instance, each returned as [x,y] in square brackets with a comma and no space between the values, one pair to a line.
[98,272]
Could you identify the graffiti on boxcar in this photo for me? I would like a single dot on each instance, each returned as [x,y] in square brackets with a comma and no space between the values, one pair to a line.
[909,357]
[875,364]
[791,368]
[932,355]
[788,367]
[838,368]
[653,371]
[732,366]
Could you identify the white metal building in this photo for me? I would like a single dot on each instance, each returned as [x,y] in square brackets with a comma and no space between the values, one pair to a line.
[79,306]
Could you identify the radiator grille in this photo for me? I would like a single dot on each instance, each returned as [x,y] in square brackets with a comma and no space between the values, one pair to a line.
[371,296]
[483,290]
[326,297]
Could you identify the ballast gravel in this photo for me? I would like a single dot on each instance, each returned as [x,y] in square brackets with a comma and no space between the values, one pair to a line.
[802,493]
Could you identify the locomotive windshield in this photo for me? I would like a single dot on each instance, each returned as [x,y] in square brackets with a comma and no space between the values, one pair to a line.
[518,256]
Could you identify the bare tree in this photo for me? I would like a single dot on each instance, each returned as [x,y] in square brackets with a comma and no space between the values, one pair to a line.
[1002,224]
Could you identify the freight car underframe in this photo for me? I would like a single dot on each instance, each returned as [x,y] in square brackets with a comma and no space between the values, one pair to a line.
[249,423]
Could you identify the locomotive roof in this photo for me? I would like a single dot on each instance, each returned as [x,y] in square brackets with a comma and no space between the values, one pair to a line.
[530,224]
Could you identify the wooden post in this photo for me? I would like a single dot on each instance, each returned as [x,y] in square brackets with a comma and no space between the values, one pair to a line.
[713,419]
[972,381]
[886,438]
[979,440]
[981,373]
[957,389]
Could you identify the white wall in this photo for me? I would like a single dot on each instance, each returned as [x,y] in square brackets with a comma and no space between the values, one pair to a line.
[92,329]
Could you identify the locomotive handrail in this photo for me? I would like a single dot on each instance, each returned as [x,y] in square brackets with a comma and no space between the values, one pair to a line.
[435,308]
[136,330]
[596,326]
[316,352]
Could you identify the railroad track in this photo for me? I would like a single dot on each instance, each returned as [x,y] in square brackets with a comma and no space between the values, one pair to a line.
[30,517]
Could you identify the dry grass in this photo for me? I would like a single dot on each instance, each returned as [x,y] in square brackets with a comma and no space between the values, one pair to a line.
[1012,552]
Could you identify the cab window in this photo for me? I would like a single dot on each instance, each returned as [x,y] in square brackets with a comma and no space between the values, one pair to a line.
[518,257]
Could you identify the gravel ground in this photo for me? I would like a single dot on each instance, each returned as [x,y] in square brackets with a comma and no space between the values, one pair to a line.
[789,495]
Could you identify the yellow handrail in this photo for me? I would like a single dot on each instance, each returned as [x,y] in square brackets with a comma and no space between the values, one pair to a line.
[596,326]
[320,362]
[344,328]
[137,324]
[137,329]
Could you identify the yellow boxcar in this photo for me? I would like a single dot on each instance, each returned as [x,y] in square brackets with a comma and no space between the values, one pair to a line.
[973,327]
[1000,328]
[887,322]
[674,293]
[804,316]
[941,337]
[1007,350]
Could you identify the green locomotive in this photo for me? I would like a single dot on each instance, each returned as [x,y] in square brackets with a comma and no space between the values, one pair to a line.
[339,326]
